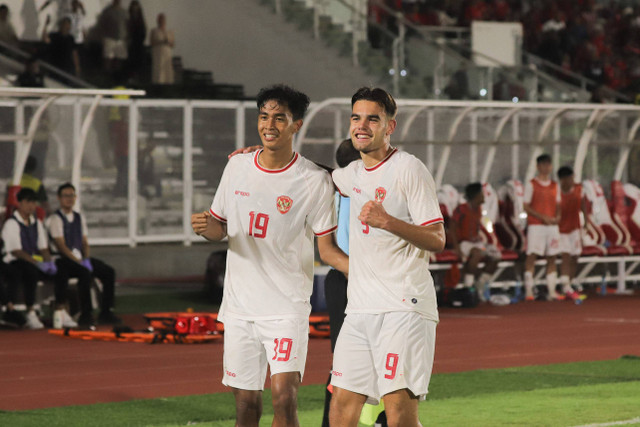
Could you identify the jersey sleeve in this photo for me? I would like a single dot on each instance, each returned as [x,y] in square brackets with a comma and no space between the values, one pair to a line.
[422,199]
[341,180]
[528,192]
[54,224]
[219,205]
[43,240]
[322,217]
[11,236]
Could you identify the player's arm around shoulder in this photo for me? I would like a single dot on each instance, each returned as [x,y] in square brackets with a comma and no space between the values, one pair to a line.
[205,225]
[331,254]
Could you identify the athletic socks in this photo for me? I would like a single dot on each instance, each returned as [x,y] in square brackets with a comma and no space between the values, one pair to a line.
[528,285]
[468,280]
[552,281]
[566,284]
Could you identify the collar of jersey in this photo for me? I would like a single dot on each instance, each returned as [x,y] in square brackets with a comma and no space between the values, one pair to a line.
[381,162]
[255,161]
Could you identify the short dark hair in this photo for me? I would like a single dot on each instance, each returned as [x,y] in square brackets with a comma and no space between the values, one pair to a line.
[565,171]
[379,96]
[346,153]
[27,194]
[296,101]
[472,190]
[31,164]
[543,158]
[4,7]
[65,186]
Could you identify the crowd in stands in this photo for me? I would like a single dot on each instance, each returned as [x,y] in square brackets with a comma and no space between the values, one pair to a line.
[597,39]
[116,44]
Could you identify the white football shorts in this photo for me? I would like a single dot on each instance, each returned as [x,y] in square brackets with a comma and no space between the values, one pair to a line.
[489,250]
[543,240]
[249,346]
[377,354]
[571,243]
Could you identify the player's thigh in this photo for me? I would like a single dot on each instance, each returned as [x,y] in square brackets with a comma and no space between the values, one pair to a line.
[552,240]
[536,240]
[353,367]
[244,361]
[285,343]
[404,353]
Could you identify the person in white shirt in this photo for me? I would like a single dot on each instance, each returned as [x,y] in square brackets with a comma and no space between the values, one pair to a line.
[270,204]
[27,256]
[386,345]
[68,230]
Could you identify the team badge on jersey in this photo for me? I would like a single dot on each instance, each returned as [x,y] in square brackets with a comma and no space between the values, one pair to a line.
[381,193]
[284,204]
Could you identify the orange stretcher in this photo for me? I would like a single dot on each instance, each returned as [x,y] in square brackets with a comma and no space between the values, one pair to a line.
[140,337]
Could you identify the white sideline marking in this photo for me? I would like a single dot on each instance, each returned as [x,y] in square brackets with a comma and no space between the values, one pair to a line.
[611,320]
[613,423]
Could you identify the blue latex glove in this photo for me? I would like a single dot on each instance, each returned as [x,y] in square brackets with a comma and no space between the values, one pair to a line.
[49,267]
[42,266]
[86,263]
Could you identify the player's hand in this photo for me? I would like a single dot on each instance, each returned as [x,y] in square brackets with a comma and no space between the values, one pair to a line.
[199,222]
[245,150]
[374,214]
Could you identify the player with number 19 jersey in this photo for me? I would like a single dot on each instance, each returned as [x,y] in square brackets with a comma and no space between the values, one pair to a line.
[271,218]
[377,258]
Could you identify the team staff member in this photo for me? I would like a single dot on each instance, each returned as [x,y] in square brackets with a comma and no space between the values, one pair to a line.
[270,204]
[571,204]
[542,205]
[27,257]
[68,230]
[386,345]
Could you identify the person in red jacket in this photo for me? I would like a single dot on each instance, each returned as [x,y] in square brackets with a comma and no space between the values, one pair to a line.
[542,205]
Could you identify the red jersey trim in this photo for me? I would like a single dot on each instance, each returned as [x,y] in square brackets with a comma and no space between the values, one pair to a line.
[322,233]
[433,221]
[216,216]
[255,161]
[371,169]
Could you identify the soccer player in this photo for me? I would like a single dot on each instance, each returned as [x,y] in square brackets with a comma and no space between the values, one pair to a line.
[570,238]
[270,203]
[386,345]
[466,240]
[542,205]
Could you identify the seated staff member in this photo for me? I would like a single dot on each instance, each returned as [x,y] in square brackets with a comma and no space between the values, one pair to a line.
[68,231]
[27,257]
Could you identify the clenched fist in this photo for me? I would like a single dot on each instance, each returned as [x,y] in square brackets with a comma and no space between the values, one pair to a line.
[199,222]
[374,214]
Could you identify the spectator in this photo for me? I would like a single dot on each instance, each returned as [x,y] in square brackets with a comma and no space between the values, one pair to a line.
[76,15]
[62,51]
[29,180]
[27,257]
[7,32]
[137,33]
[31,76]
[113,26]
[468,243]
[68,230]
[571,205]
[542,205]
[162,41]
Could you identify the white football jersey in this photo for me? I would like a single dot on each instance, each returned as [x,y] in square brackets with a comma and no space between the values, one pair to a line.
[271,218]
[387,273]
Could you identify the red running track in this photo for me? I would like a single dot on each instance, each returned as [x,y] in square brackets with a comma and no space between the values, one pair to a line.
[39,370]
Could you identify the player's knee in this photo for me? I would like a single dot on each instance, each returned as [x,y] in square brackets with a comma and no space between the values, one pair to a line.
[285,401]
[401,417]
[248,410]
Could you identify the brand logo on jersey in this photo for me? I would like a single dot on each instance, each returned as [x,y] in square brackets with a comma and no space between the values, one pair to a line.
[231,374]
[336,373]
[242,193]
[284,204]
[381,193]
[357,190]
